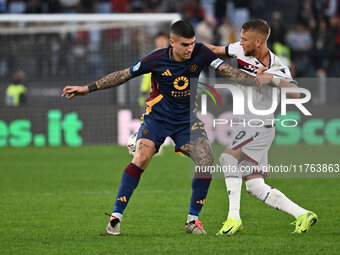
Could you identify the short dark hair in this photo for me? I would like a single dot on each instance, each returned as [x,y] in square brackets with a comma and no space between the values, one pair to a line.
[183,29]
[257,25]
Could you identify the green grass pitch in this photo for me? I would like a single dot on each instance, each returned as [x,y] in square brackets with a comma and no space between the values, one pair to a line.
[53,202]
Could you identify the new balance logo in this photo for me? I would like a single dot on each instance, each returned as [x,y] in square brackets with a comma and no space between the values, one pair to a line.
[167,73]
[123,199]
[200,201]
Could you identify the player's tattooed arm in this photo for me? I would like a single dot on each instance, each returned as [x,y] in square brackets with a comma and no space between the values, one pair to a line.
[114,79]
[236,75]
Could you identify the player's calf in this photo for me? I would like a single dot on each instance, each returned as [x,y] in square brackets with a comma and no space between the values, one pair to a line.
[233,180]
[201,153]
[273,197]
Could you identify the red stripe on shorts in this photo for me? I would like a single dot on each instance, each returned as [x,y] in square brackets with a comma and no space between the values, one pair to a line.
[249,158]
[243,143]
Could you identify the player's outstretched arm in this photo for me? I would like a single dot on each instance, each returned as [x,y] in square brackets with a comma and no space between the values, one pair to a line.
[269,79]
[111,80]
[236,75]
[72,91]
[218,50]
[114,79]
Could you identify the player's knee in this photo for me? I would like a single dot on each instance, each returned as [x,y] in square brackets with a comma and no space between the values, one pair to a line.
[227,159]
[236,153]
[230,166]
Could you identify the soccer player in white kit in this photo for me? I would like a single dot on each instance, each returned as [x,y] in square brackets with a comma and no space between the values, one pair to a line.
[249,150]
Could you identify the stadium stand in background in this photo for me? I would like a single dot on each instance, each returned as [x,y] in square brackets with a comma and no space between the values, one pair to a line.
[309,28]
[305,35]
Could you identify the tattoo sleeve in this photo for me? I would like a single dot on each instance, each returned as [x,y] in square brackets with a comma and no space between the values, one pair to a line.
[201,154]
[236,75]
[199,151]
[114,79]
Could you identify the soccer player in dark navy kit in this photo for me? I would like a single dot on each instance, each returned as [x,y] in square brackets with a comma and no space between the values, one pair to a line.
[168,113]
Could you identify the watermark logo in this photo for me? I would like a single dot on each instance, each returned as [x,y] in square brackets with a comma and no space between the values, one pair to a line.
[205,87]
[239,100]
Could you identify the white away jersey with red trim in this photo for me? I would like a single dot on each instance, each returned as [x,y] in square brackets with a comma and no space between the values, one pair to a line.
[262,99]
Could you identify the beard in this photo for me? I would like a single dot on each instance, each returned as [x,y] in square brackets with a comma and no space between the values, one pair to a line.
[249,53]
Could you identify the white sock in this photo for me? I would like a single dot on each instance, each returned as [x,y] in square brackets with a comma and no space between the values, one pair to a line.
[273,197]
[117,215]
[233,182]
[192,217]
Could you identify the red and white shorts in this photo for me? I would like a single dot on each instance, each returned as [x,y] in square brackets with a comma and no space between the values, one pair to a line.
[255,143]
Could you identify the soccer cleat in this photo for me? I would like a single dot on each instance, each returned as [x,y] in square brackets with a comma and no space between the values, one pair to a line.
[304,222]
[195,227]
[113,228]
[230,227]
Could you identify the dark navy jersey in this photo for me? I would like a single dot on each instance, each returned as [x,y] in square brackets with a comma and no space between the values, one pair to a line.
[172,82]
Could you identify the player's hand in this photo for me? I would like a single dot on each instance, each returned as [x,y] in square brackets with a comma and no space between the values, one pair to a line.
[263,79]
[72,91]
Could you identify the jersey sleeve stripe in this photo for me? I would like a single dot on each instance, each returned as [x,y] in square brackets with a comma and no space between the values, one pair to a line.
[152,103]
[153,56]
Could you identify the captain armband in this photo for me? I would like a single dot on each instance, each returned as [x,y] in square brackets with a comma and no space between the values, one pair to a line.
[216,63]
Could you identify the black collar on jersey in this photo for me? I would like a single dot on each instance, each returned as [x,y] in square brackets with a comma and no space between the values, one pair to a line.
[270,60]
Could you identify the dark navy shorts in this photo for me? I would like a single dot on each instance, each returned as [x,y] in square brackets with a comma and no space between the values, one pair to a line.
[158,130]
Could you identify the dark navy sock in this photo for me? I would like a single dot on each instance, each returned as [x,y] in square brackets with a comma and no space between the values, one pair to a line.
[128,183]
[200,187]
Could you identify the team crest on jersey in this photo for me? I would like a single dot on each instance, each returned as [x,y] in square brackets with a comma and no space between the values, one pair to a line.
[181,82]
[193,68]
